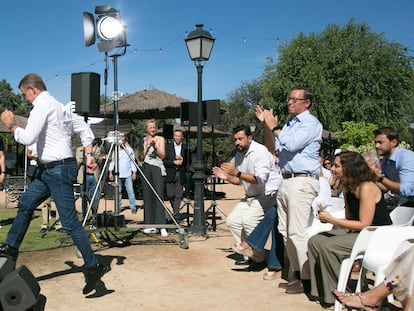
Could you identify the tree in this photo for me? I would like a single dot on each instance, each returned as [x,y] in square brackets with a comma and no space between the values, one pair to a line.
[355,74]
[12,101]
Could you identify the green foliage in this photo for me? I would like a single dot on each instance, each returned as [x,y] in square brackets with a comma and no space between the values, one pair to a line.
[355,134]
[355,74]
[12,101]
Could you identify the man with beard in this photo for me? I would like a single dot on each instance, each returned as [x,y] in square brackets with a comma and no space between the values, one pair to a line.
[254,168]
[397,166]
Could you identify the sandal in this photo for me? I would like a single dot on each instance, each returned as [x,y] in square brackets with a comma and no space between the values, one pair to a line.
[363,306]
[269,275]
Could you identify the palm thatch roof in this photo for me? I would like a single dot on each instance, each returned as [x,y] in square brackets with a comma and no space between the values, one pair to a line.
[146,104]
[19,120]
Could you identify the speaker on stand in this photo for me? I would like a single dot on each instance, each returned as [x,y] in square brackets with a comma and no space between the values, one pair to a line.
[213,118]
[85,89]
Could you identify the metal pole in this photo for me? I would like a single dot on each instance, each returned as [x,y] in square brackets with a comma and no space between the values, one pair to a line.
[198,226]
[116,138]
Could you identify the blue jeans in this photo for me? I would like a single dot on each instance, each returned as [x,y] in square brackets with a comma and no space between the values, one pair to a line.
[258,238]
[58,182]
[129,187]
[90,183]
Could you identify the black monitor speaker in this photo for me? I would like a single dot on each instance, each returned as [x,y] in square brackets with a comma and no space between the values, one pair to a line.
[85,89]
[19,290]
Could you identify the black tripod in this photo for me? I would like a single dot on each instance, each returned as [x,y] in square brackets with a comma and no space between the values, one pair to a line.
[214,205]
[186,200]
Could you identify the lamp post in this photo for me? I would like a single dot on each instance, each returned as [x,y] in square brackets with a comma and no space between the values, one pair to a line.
[199,45]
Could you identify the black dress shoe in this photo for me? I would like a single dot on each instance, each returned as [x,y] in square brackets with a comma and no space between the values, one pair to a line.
[243,262]
[93,276]
[257,266]
[9,252]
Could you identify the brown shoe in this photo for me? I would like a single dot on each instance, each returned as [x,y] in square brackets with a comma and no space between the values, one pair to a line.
[285,285]
[295,287]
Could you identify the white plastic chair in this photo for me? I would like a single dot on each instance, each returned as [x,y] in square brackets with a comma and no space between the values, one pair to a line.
[382,249]
[402,215]
[358,250]
[337,209]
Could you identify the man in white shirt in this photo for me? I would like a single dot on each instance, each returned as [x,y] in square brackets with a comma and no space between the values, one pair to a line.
[254,168]
[50,125]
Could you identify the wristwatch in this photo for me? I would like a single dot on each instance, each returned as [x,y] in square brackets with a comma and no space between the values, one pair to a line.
[238,174]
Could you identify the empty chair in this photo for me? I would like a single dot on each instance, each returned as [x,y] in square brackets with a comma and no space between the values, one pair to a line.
[358,250]
[402,215]
[382,249]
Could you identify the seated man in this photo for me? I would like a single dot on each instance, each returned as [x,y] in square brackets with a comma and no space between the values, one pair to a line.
[397,167]
[253,168]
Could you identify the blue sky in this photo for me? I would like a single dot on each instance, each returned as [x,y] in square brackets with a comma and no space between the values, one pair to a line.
[46,37]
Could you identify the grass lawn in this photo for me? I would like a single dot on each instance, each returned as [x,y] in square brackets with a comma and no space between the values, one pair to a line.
[33,240]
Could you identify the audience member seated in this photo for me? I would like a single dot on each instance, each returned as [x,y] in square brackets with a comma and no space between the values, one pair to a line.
[399,280]
[364,206]
[396,174]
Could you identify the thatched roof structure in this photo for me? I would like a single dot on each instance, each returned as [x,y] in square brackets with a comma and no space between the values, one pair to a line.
[146,104]
[20,121]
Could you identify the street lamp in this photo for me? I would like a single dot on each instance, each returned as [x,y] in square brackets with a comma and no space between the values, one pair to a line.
[199,45]
[111,32]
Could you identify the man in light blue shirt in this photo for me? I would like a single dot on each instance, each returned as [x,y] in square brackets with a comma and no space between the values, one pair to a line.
[127,173]
[297,144]
[397,166]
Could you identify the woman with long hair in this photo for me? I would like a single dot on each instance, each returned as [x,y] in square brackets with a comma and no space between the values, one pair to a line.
[364,206]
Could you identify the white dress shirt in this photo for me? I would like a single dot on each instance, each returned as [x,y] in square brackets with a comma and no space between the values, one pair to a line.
[51,125]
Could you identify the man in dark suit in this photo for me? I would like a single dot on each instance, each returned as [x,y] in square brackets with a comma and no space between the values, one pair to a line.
[175,162]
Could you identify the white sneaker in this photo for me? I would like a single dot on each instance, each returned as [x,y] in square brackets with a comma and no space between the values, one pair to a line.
[150,230]
[164,232]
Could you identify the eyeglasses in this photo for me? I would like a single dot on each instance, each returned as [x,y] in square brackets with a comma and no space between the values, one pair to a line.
[294,99]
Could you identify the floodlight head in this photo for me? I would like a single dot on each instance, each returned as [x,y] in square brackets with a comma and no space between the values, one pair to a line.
[199,44]
[109,28]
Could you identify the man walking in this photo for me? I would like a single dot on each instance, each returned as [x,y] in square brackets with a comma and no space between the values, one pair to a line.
[56,172]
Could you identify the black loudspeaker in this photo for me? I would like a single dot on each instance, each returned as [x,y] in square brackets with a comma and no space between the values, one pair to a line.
[213,111]
[19,290]
[189,113]
[85,90]
[168,131]
[6,266]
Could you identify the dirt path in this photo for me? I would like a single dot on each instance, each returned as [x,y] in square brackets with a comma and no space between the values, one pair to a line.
[154,273]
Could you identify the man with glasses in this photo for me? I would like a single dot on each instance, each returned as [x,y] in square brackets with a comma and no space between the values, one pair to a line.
[298,143]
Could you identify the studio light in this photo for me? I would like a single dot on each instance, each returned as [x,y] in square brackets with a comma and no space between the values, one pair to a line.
[108,28]
[199,45]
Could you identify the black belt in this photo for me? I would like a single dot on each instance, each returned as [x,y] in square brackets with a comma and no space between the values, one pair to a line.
[292,175]
[44,166]
[90,173]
